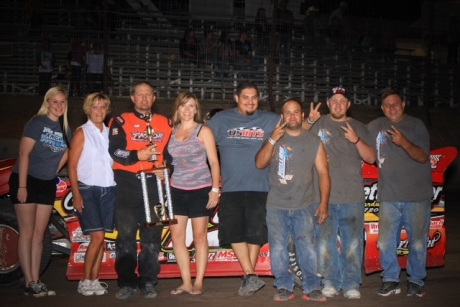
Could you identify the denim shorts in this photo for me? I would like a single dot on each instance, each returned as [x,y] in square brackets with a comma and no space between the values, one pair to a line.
[191,203]
[242,218]
[39,191]
[99,208]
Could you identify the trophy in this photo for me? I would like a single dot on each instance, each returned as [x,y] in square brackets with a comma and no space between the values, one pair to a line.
[147,117]
[164,208]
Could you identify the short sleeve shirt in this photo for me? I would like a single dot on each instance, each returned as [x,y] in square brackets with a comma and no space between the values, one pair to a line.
[239,138]
[343,158]
[401,179]
[49,148]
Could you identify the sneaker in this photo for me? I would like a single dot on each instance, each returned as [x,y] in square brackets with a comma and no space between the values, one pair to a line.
[251,284]
[314,295]
[35,290]
[125,293]
[149,291]
[388,288]
[329,291]
[352,294]
[283,295]
[414,290]
[85,287]
[100,288]
[45,288]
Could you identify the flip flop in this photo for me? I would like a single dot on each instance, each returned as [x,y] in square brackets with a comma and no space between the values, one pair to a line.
[179,291]
[196,292]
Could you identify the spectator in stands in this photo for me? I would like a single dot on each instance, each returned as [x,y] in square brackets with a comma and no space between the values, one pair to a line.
[313,29]
[338,13]
[93,188]
[285,21]
[188,46]
[262,31]
[243,56]
[226,49]
[335,36]
[95,68]
[402,143]
[208,48]
[42,154]
[75,62]
[45,61]
[195,187]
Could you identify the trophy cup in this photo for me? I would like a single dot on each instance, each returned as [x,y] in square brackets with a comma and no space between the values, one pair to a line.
[164,208]
[147,117]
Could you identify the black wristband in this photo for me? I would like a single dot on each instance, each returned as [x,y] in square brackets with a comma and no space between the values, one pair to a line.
[359,139]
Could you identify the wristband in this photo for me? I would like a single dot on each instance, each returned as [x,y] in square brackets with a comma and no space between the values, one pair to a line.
[22,188]
[309,121]
[271,141]
[215,190]
[359,139]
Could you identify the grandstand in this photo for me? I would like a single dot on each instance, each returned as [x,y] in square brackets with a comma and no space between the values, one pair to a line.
[141,39]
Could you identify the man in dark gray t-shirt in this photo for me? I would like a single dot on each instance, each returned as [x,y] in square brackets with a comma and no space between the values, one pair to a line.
[405,190]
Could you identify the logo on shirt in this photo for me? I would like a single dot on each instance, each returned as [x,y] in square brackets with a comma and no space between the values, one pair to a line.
[142,137]
[325,136]
[284,155]
[380,141]
[254,133]
[53,140]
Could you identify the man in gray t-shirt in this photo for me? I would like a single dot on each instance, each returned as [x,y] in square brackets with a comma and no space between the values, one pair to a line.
[292,156]
[347,143]
[405,190]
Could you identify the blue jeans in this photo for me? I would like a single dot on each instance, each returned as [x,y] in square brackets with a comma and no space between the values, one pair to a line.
[415,217]
[297,224]
[341,269]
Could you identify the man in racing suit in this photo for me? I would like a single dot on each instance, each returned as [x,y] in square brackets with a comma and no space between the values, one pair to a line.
[130,148]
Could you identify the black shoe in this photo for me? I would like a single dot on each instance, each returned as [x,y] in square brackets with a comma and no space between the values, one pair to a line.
[35,290]
[389,288]
[414,290]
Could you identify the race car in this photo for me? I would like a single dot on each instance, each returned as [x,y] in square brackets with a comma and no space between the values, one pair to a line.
[221,262]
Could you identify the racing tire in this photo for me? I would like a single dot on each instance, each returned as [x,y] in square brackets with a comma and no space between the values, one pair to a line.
[10,270]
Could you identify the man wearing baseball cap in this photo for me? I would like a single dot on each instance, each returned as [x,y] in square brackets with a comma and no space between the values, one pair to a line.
[346,141]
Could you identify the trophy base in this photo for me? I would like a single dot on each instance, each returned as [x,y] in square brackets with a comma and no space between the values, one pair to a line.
[161,223]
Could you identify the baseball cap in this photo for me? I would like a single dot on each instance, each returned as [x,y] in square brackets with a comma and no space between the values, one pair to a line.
[339,90]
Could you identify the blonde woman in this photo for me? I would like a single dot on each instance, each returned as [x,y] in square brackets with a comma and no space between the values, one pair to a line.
[194,187]
[93,187]
[42,153]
